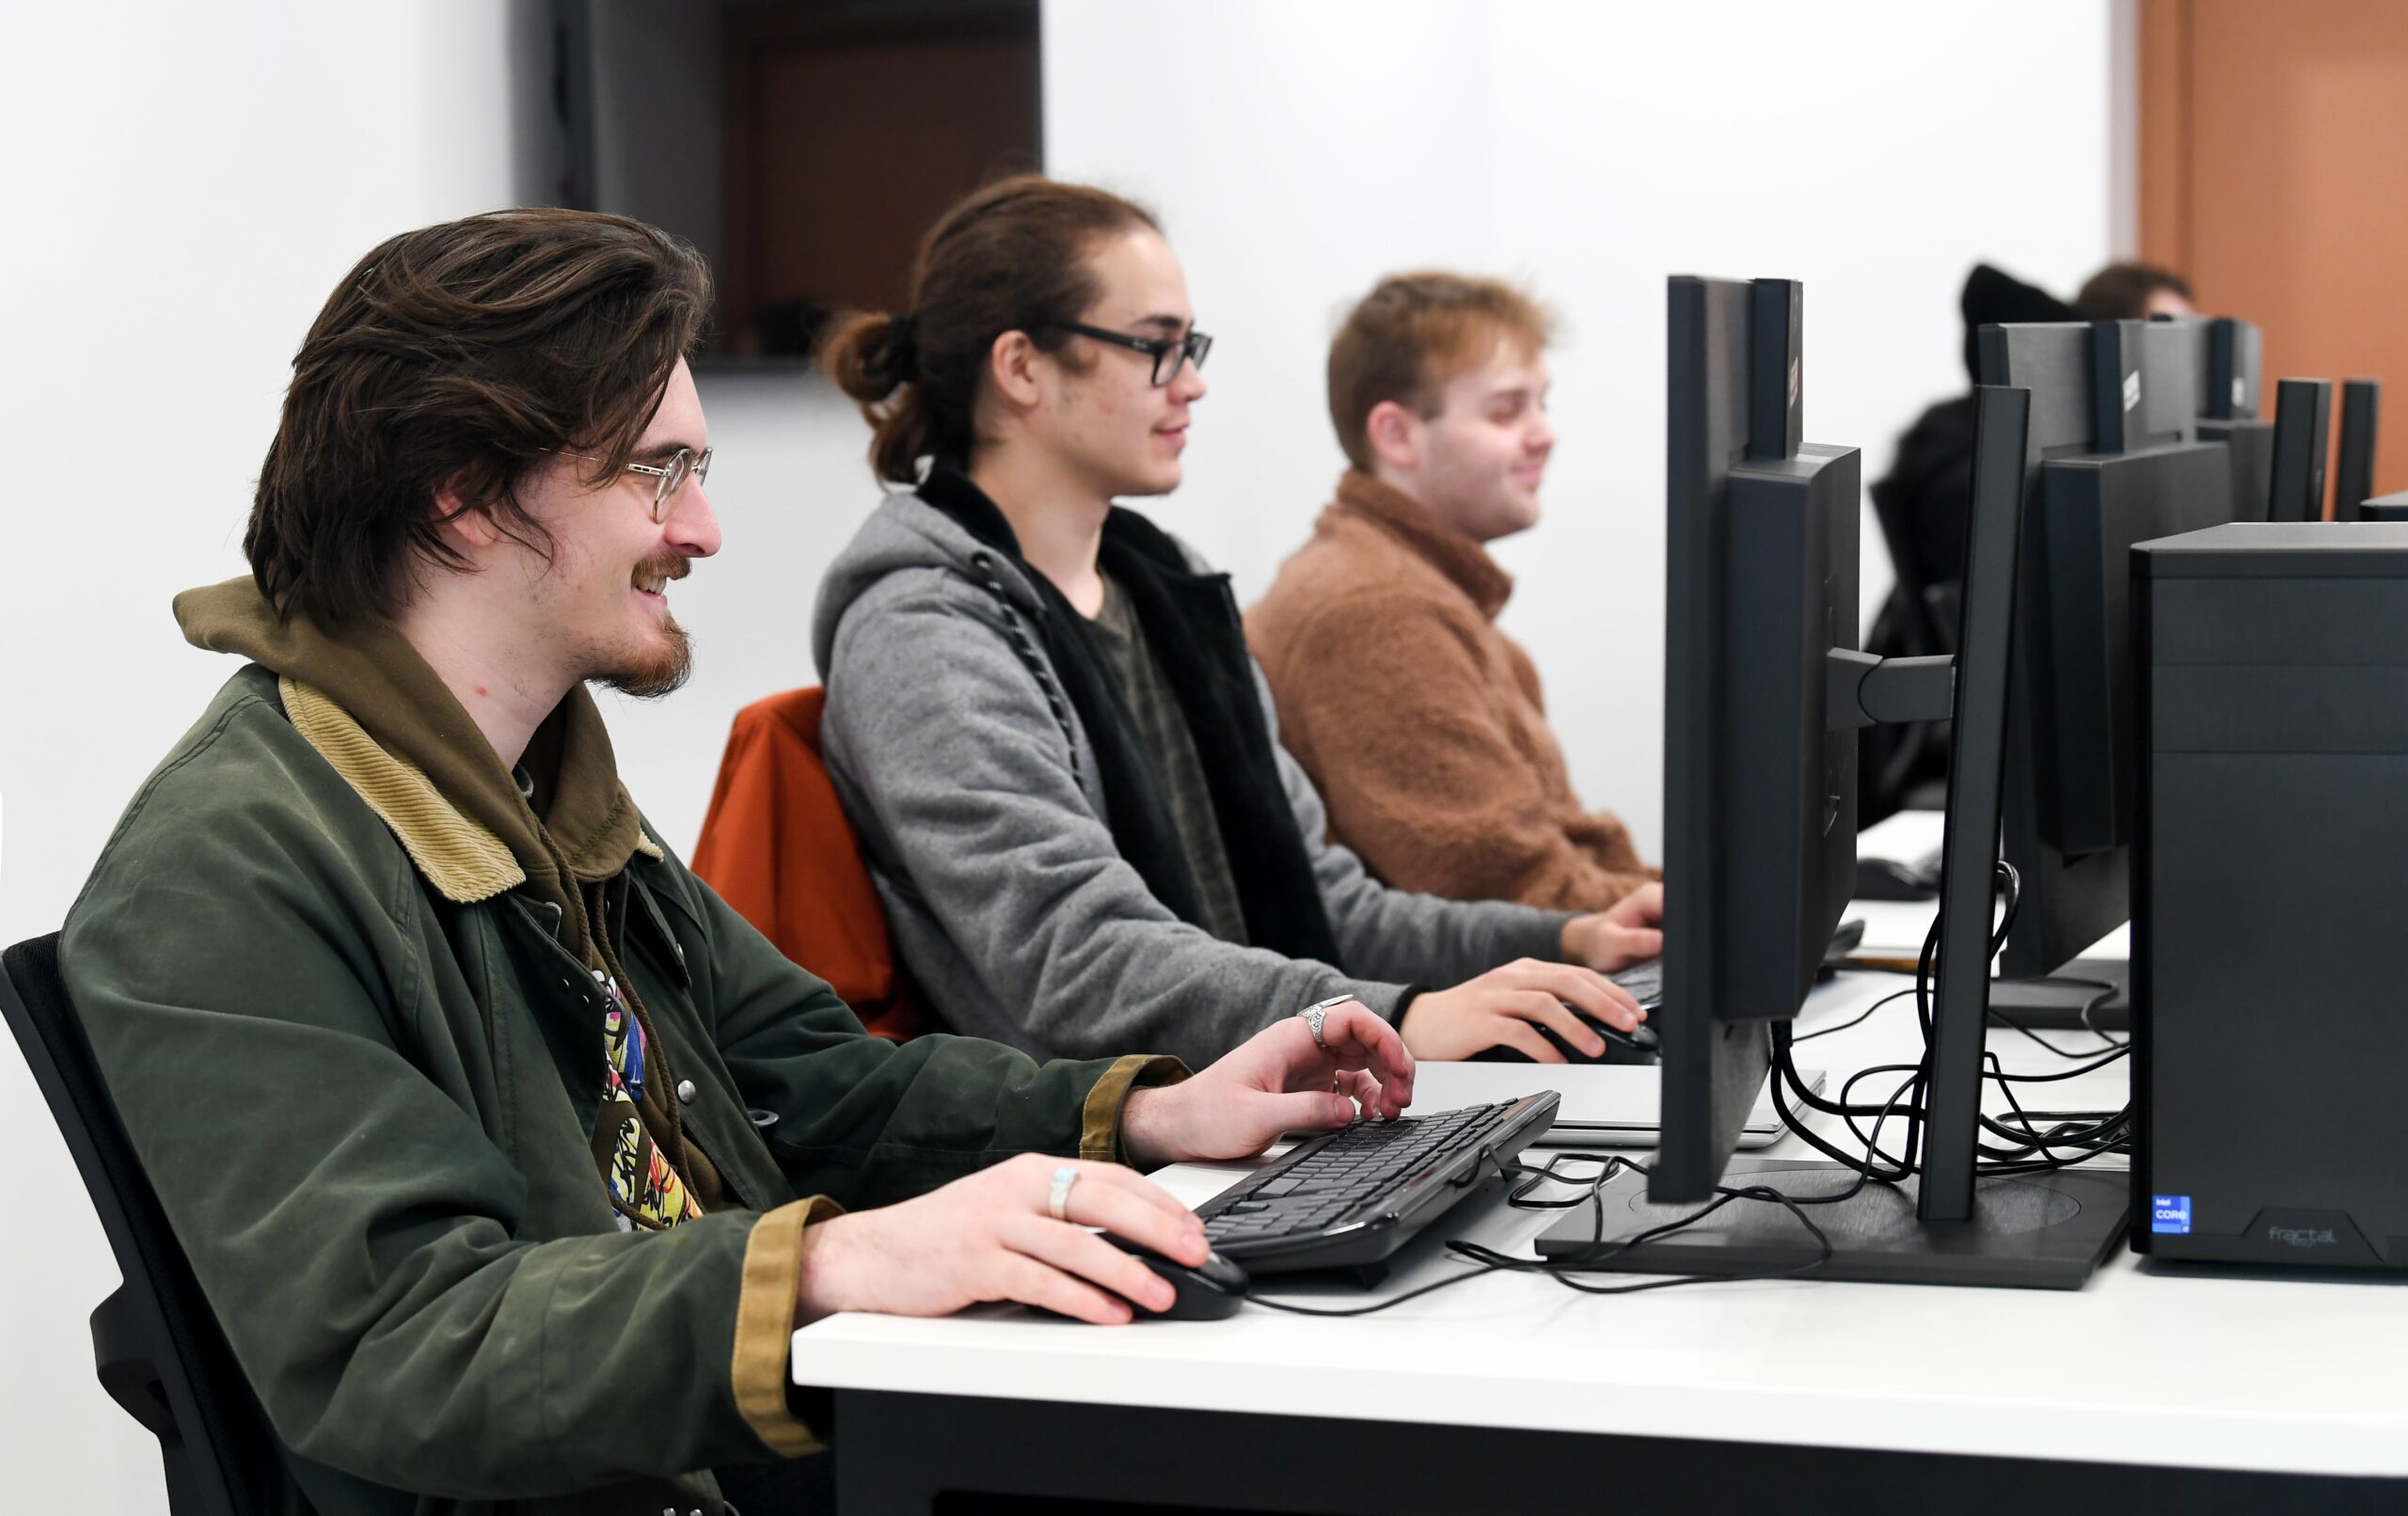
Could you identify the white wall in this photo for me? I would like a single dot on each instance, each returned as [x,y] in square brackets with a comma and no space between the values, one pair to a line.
[1875,150]
[186,183]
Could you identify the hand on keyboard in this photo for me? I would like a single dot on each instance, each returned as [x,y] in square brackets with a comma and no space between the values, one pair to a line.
[1276,1081]
[1630,931]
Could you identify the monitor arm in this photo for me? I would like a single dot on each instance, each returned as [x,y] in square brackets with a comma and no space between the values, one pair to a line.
[1864,690]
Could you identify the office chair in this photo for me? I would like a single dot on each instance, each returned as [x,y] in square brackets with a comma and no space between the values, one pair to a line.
[777,846]
[155,1344]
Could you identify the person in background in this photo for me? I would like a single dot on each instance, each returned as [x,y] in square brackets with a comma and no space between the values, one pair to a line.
[508,1156]
[1420,722]
[1041,715]
[1923,501]
[2134,292]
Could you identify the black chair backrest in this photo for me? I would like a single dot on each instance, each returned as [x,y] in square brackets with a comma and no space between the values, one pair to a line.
[157,1346]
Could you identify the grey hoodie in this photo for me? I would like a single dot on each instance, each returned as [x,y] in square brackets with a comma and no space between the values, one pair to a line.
[985,831]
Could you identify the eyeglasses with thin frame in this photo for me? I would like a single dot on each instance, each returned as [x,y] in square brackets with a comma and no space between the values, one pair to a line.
[667,478]
[1168,353]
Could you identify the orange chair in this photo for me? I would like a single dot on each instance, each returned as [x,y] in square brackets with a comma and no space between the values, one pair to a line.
[777,846]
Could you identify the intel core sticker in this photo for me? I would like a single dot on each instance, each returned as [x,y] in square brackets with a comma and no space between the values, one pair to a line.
[2170,1214]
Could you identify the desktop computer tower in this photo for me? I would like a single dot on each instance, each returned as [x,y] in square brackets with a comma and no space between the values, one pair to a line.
[2270,963]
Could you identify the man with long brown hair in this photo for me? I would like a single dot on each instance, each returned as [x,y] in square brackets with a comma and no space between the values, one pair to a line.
[508,1156]
[1042,718]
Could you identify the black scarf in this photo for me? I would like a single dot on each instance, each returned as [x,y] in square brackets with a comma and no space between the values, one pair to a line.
[1191,621]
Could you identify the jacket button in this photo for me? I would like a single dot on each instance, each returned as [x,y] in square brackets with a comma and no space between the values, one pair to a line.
[685,1091]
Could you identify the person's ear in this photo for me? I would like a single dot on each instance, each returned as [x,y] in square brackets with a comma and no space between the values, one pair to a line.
[461,519]
[1012,366]
[1394,433]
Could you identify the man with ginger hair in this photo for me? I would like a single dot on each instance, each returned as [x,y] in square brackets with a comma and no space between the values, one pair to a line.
[1421,721]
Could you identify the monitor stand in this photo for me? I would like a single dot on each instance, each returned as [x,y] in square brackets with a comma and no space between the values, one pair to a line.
[2069,999]
[2030,1231]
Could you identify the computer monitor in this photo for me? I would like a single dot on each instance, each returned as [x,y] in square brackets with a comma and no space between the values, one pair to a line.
[2232,362]
[1761,550]
[2142,387]
[2234,356]
[2303,428]
[2112,462]
[2354,461]
[1764,694]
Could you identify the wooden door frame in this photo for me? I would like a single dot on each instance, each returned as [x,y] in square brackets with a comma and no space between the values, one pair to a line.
[2164,172]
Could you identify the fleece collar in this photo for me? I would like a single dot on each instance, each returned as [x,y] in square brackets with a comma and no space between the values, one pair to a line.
[1465,562]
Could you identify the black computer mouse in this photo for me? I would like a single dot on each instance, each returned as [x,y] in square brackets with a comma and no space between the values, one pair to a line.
[1208,1293]
[1886,878]
[1637,1046]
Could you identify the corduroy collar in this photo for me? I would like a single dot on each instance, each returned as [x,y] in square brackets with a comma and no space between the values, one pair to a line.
[366,700]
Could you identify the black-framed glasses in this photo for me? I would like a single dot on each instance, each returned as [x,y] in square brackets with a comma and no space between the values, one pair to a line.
[668,478]
[1168,353]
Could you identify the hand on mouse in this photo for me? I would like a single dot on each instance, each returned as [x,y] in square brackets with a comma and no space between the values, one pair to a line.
[1630,931]
[991,1237]
[1276,1081]
[1499,1009]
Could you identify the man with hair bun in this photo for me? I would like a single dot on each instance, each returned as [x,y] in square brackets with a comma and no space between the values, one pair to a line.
[1041,715]
[508,1156]
[1420,721]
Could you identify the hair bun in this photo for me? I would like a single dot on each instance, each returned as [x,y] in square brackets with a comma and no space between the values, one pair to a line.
[899,358]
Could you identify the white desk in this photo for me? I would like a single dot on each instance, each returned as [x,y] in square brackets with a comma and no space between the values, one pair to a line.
[2145,1372]
[1895,928]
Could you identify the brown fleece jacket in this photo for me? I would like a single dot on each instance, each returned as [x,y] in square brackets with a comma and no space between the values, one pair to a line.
[1421,721]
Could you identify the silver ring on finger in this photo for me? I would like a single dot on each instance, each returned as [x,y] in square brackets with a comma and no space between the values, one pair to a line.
[1058,1200]
[1316,1013]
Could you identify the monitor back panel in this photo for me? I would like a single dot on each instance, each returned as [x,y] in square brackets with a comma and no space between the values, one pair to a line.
[1760,793]
[2070,764]
[1790,799]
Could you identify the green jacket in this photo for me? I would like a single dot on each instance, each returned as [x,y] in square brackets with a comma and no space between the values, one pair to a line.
[362,1073]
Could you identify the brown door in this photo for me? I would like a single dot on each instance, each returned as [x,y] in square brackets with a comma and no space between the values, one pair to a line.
[2274,172]
[850,128]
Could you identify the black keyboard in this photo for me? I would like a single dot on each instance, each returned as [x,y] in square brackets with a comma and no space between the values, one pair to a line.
[1645,982]
[1352,1198]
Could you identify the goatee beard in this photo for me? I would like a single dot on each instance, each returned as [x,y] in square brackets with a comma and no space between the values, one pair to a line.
[663,674]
